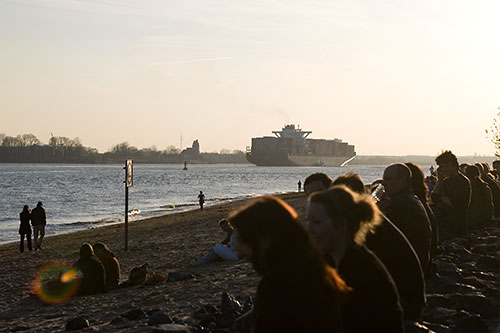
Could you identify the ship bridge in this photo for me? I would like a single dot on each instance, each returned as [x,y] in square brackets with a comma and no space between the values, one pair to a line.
[290,132]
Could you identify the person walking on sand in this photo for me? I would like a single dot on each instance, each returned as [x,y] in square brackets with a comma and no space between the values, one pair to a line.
[201,199]
[25,228]
[299,185]
[38,220]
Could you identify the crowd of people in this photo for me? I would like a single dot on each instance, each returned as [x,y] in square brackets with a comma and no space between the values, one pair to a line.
[358,260]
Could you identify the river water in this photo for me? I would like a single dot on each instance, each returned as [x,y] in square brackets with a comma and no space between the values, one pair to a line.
[77,197]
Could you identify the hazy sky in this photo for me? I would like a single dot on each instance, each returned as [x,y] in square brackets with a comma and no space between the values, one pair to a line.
[391,77]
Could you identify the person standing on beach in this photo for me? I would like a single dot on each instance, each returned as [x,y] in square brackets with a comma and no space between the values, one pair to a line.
[201,199]
[299,184]
[38,220]
[25,228]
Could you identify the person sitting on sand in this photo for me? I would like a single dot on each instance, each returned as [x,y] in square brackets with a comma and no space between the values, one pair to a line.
[93,279]
[226,250]
[298,292]
[392,247]
[338,221]
[316,182]
[110,263]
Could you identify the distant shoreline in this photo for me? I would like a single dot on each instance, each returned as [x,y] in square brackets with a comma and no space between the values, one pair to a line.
[374,160]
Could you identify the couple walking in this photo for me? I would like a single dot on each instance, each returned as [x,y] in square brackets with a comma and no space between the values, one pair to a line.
[38,220]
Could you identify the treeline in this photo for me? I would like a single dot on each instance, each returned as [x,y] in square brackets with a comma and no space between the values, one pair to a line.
[27,148]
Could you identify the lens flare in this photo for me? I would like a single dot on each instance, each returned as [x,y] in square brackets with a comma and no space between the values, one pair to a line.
[56,282]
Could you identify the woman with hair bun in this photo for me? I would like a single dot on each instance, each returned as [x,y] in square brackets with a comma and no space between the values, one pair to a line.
[339,220]
[298,291]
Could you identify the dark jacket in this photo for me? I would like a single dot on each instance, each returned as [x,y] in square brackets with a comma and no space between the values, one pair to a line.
[296,300]
[373,305]
[495,193]
[38,216]
[394,250]
[434,229]
[481,205]
[452,219]
[407,212]
[25,227]
[111,268]
[94,279]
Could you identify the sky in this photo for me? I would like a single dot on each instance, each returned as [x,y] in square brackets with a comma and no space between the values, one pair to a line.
[390,77]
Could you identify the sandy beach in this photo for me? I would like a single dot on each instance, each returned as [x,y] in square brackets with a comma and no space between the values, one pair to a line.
[169,244]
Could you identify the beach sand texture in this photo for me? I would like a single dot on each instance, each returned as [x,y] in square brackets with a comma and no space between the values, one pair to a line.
[170,243]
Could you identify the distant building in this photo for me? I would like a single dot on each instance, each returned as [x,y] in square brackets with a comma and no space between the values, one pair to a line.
[192,153]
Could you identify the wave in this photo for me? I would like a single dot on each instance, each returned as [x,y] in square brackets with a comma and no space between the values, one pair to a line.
[99,221]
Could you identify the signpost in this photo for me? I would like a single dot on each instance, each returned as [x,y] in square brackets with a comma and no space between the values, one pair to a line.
[128,183]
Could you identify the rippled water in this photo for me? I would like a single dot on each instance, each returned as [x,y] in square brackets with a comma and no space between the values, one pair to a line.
[78,196]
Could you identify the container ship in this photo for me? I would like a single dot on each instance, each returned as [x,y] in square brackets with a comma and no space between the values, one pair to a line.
[291,147]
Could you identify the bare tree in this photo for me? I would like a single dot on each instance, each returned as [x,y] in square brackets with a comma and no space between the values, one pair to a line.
[493,134]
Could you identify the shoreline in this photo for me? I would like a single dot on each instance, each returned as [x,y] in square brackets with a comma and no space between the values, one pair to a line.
[91,225]
[465,288]
[168,243]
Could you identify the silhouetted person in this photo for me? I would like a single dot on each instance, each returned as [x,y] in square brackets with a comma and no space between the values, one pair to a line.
[481,201]
[450,197]
[25,228]
[338,221]
[110,263]
[317,182]
[496,166]
[392,247]
[406,211]
[299,185]
[38,221]
[432,171]
[298,292]
[421,191]
[93,279]
[493,184]
[201,199]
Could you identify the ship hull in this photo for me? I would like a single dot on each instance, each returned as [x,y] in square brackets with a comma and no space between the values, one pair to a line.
[296,160]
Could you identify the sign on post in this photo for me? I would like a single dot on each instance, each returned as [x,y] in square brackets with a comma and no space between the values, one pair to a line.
[128,183]
[130,173]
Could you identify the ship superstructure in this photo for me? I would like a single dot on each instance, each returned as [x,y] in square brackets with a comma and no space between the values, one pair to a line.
[291,147]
